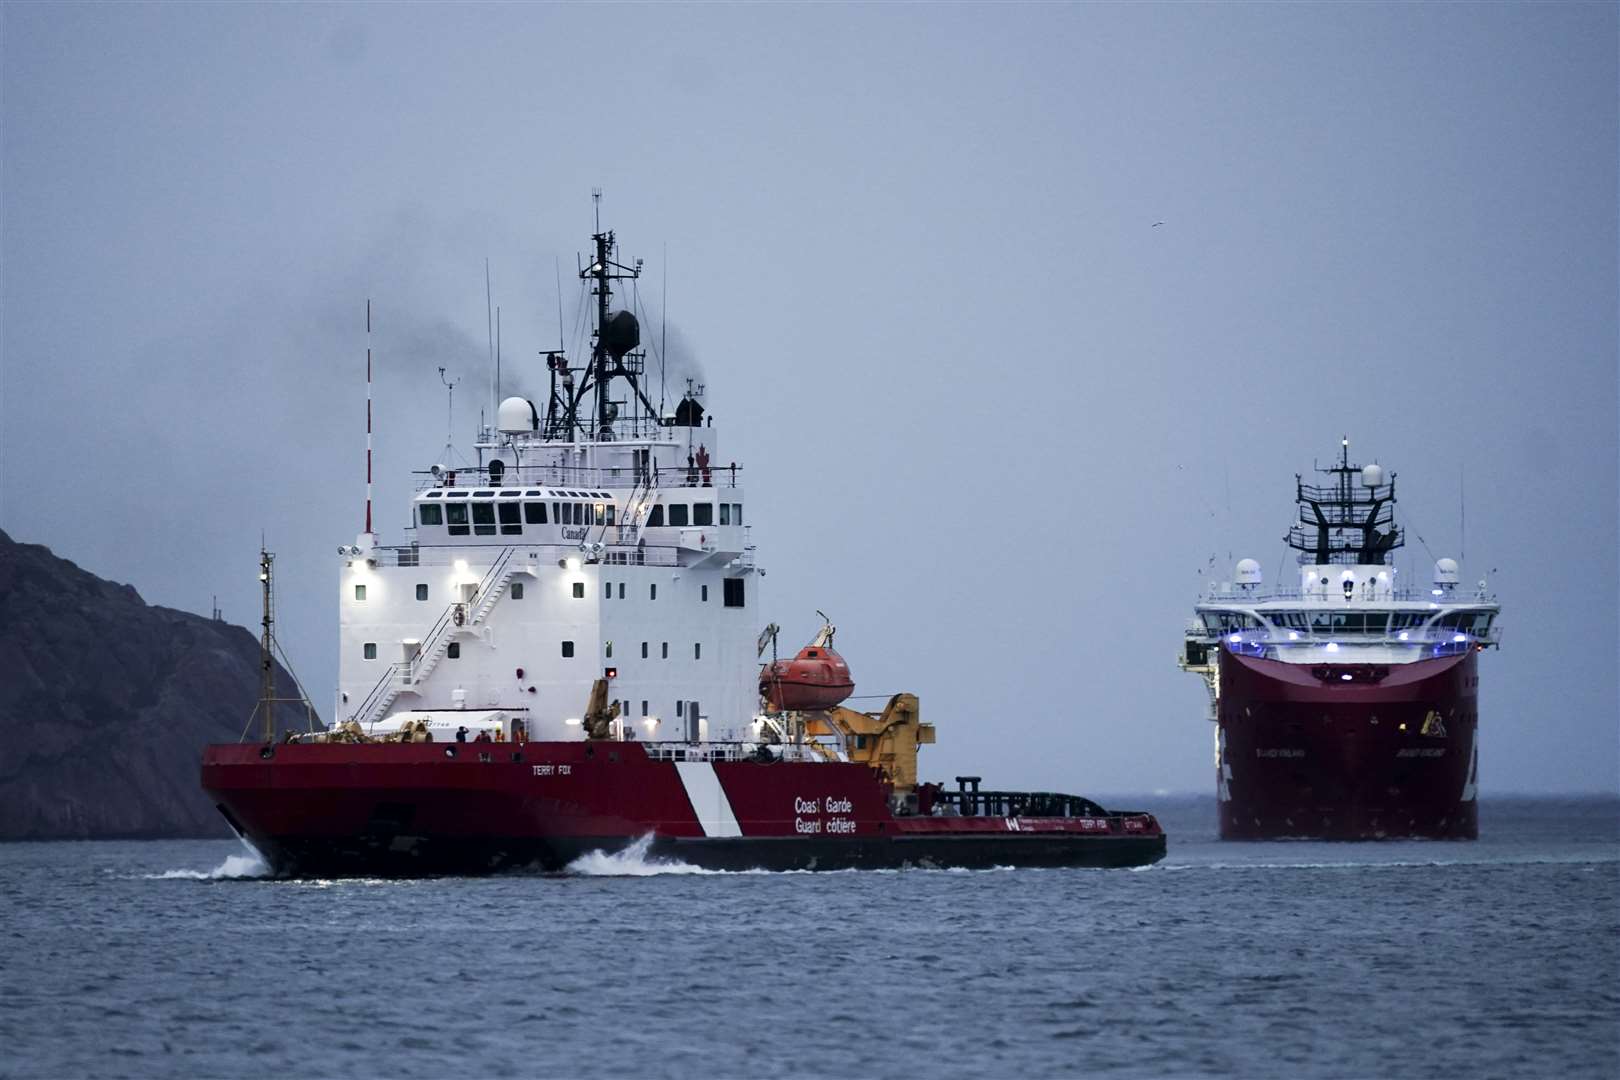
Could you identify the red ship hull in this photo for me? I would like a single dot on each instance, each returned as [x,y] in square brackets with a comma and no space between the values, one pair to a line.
[1304,752]
[411,809]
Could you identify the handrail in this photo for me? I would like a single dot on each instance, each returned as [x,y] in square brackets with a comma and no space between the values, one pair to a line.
[366,706]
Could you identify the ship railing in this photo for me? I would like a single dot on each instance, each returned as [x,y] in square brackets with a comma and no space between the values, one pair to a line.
[616,554]
[1046,804]
[1408,636]
[580,477]
[1237,594]
[725,751]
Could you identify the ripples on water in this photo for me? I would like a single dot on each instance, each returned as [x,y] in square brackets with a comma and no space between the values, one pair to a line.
[1297,959]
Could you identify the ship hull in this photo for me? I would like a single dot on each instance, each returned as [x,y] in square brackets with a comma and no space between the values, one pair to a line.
[1303,752]
[407,810]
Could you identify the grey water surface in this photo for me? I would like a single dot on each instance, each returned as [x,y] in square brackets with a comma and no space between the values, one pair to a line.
[1494,958]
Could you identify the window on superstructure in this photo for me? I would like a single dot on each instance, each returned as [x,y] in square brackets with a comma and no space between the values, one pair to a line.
[483,518]
[430,515]
[652,591]
[579,590]
[621,590]
[666,650]
[1377,621]
[453,651]
[644,650]
[643,706]
[369,650]
[601,514]
[556,513]
[732,588]
[697,650]
[655,517]
[703,513]
[736,513]
[511,515]
[421,592]
[534,513]
[455,514]
[607,648]
[678,513]
[610,513]
[517,590]
[568,650]
[704,594]
[725,513]
[607,590]
[359,592]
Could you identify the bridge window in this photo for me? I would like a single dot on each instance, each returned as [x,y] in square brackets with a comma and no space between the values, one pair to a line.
[534,513]
[568,650]
[733,587]
[725,513]
[430,515]
[421,592]
[517,590]
[455,514]
[677,513]
[736,513]
[579,590]
[510,515]
[655,517]
[369,650]
[453,651]
[703,513]
[359,592]
[483,516]
[601,514]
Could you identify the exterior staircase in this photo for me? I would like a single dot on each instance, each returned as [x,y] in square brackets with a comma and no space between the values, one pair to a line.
[458,616]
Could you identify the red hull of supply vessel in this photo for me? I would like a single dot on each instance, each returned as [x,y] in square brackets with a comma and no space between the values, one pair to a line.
[817,678]
[1386,753]
[1346,708]
[563,654]
[410,809]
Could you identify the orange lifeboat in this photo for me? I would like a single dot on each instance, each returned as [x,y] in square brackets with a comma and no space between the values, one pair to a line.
[817,678]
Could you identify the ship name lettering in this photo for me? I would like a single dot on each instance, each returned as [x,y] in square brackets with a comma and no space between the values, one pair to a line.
[840,806]
[1285,752]
[1418,751]
[806,806]
[574,534]
[542,770]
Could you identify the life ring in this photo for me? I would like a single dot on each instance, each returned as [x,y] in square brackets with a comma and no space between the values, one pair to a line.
[460,616]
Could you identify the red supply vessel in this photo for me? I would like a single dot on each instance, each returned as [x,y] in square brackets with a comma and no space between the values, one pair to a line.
[1346,708]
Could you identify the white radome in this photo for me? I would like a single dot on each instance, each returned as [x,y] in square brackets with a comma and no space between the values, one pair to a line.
[515,416]
[1373,476]
[1445,572]
[1247,572]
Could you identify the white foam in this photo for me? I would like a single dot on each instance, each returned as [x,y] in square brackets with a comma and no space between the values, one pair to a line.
[250,865]
[632,861]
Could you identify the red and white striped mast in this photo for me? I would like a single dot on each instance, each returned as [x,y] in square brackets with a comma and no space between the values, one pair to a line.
[368,534]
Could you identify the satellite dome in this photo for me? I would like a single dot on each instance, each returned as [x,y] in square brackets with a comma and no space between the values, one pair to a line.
[1445,572]
[1247,572]
[516,416]
[620,334]
[1373,476]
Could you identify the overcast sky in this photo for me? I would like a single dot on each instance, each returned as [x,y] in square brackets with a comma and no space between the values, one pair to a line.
[993,420]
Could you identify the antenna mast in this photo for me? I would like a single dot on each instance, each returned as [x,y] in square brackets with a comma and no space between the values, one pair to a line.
[449,416]
[368,416]
[267,663]
[489,330]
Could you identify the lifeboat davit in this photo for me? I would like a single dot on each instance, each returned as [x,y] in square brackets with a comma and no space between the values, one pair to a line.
[817,678]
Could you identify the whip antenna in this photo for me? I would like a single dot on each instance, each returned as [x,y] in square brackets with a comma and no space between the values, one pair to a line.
[368,416]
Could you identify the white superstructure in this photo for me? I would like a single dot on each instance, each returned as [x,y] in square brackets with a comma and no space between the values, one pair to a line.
[594,538]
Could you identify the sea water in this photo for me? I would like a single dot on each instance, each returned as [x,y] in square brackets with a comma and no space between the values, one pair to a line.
[1414,959]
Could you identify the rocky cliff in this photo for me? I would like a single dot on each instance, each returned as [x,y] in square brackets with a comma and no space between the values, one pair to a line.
[106,703]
